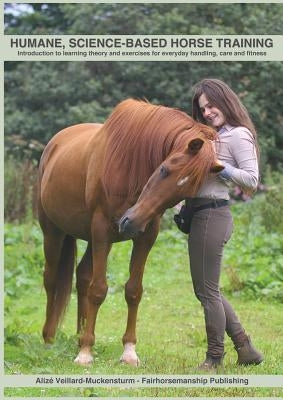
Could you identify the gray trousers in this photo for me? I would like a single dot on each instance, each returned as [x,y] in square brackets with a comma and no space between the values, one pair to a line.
[210,230]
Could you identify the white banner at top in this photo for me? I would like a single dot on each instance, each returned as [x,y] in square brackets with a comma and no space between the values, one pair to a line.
[143,48]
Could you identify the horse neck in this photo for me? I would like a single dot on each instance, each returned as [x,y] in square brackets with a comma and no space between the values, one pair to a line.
[134,170]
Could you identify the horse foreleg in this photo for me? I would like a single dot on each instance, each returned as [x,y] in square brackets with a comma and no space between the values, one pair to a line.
[84,275]
[134,289]
[96,294]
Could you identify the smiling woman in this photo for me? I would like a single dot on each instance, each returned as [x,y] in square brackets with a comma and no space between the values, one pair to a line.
[211,113]
[211,227]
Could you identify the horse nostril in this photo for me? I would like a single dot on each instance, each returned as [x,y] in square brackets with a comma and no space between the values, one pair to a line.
[123,224]
[128,228]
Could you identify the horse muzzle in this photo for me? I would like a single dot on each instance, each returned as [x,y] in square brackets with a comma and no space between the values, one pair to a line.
[127,228]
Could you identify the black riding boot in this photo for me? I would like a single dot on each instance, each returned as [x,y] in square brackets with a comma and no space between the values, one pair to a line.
[247,353]
[211,363]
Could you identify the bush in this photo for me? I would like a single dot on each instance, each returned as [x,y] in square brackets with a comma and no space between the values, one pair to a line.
[23,258]
[272,206]
[253,258]
[20,189]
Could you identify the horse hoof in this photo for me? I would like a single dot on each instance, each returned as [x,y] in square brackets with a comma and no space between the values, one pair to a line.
[84,359]
[129,359]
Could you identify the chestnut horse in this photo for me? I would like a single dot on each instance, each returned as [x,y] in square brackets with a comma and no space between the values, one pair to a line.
[89,175]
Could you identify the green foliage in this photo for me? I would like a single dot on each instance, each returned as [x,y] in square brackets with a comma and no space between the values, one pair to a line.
[253,259]
[167,221]
[20,189]
[138,19]
[43,97]
[272,208]
[23,258]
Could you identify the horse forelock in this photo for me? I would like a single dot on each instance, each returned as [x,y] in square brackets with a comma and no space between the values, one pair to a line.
[198,168]
[140,136]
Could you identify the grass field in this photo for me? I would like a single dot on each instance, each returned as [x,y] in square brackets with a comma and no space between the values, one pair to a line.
[171,333]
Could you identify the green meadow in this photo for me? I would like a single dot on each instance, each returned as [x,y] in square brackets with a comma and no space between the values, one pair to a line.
[171,333]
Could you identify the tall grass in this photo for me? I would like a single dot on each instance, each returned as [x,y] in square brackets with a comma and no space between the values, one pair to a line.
[19,188]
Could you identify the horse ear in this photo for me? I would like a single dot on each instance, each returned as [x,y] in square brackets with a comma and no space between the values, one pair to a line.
[195,145]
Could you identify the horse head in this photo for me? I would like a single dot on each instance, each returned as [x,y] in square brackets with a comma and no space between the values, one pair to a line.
[179,176]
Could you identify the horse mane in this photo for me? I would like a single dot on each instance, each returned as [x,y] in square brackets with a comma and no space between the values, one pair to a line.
[139,136]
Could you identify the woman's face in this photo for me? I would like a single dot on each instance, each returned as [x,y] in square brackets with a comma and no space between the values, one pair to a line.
[212,115]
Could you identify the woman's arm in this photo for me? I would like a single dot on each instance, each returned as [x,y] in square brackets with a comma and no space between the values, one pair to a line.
[243,150]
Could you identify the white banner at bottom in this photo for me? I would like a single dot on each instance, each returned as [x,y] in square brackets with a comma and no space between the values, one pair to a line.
[135,381]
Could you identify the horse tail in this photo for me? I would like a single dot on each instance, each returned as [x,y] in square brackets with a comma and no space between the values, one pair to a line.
[64,277]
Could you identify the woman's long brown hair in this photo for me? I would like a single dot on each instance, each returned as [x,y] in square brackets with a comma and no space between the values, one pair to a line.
[220,95]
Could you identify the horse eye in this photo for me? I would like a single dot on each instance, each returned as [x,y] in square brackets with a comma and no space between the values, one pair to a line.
[164,172]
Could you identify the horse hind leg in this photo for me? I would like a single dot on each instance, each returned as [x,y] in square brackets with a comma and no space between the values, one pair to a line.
[59,250]
[96,294]
[84,275]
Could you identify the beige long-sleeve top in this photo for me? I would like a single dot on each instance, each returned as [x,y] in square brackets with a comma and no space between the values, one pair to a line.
[236,149]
